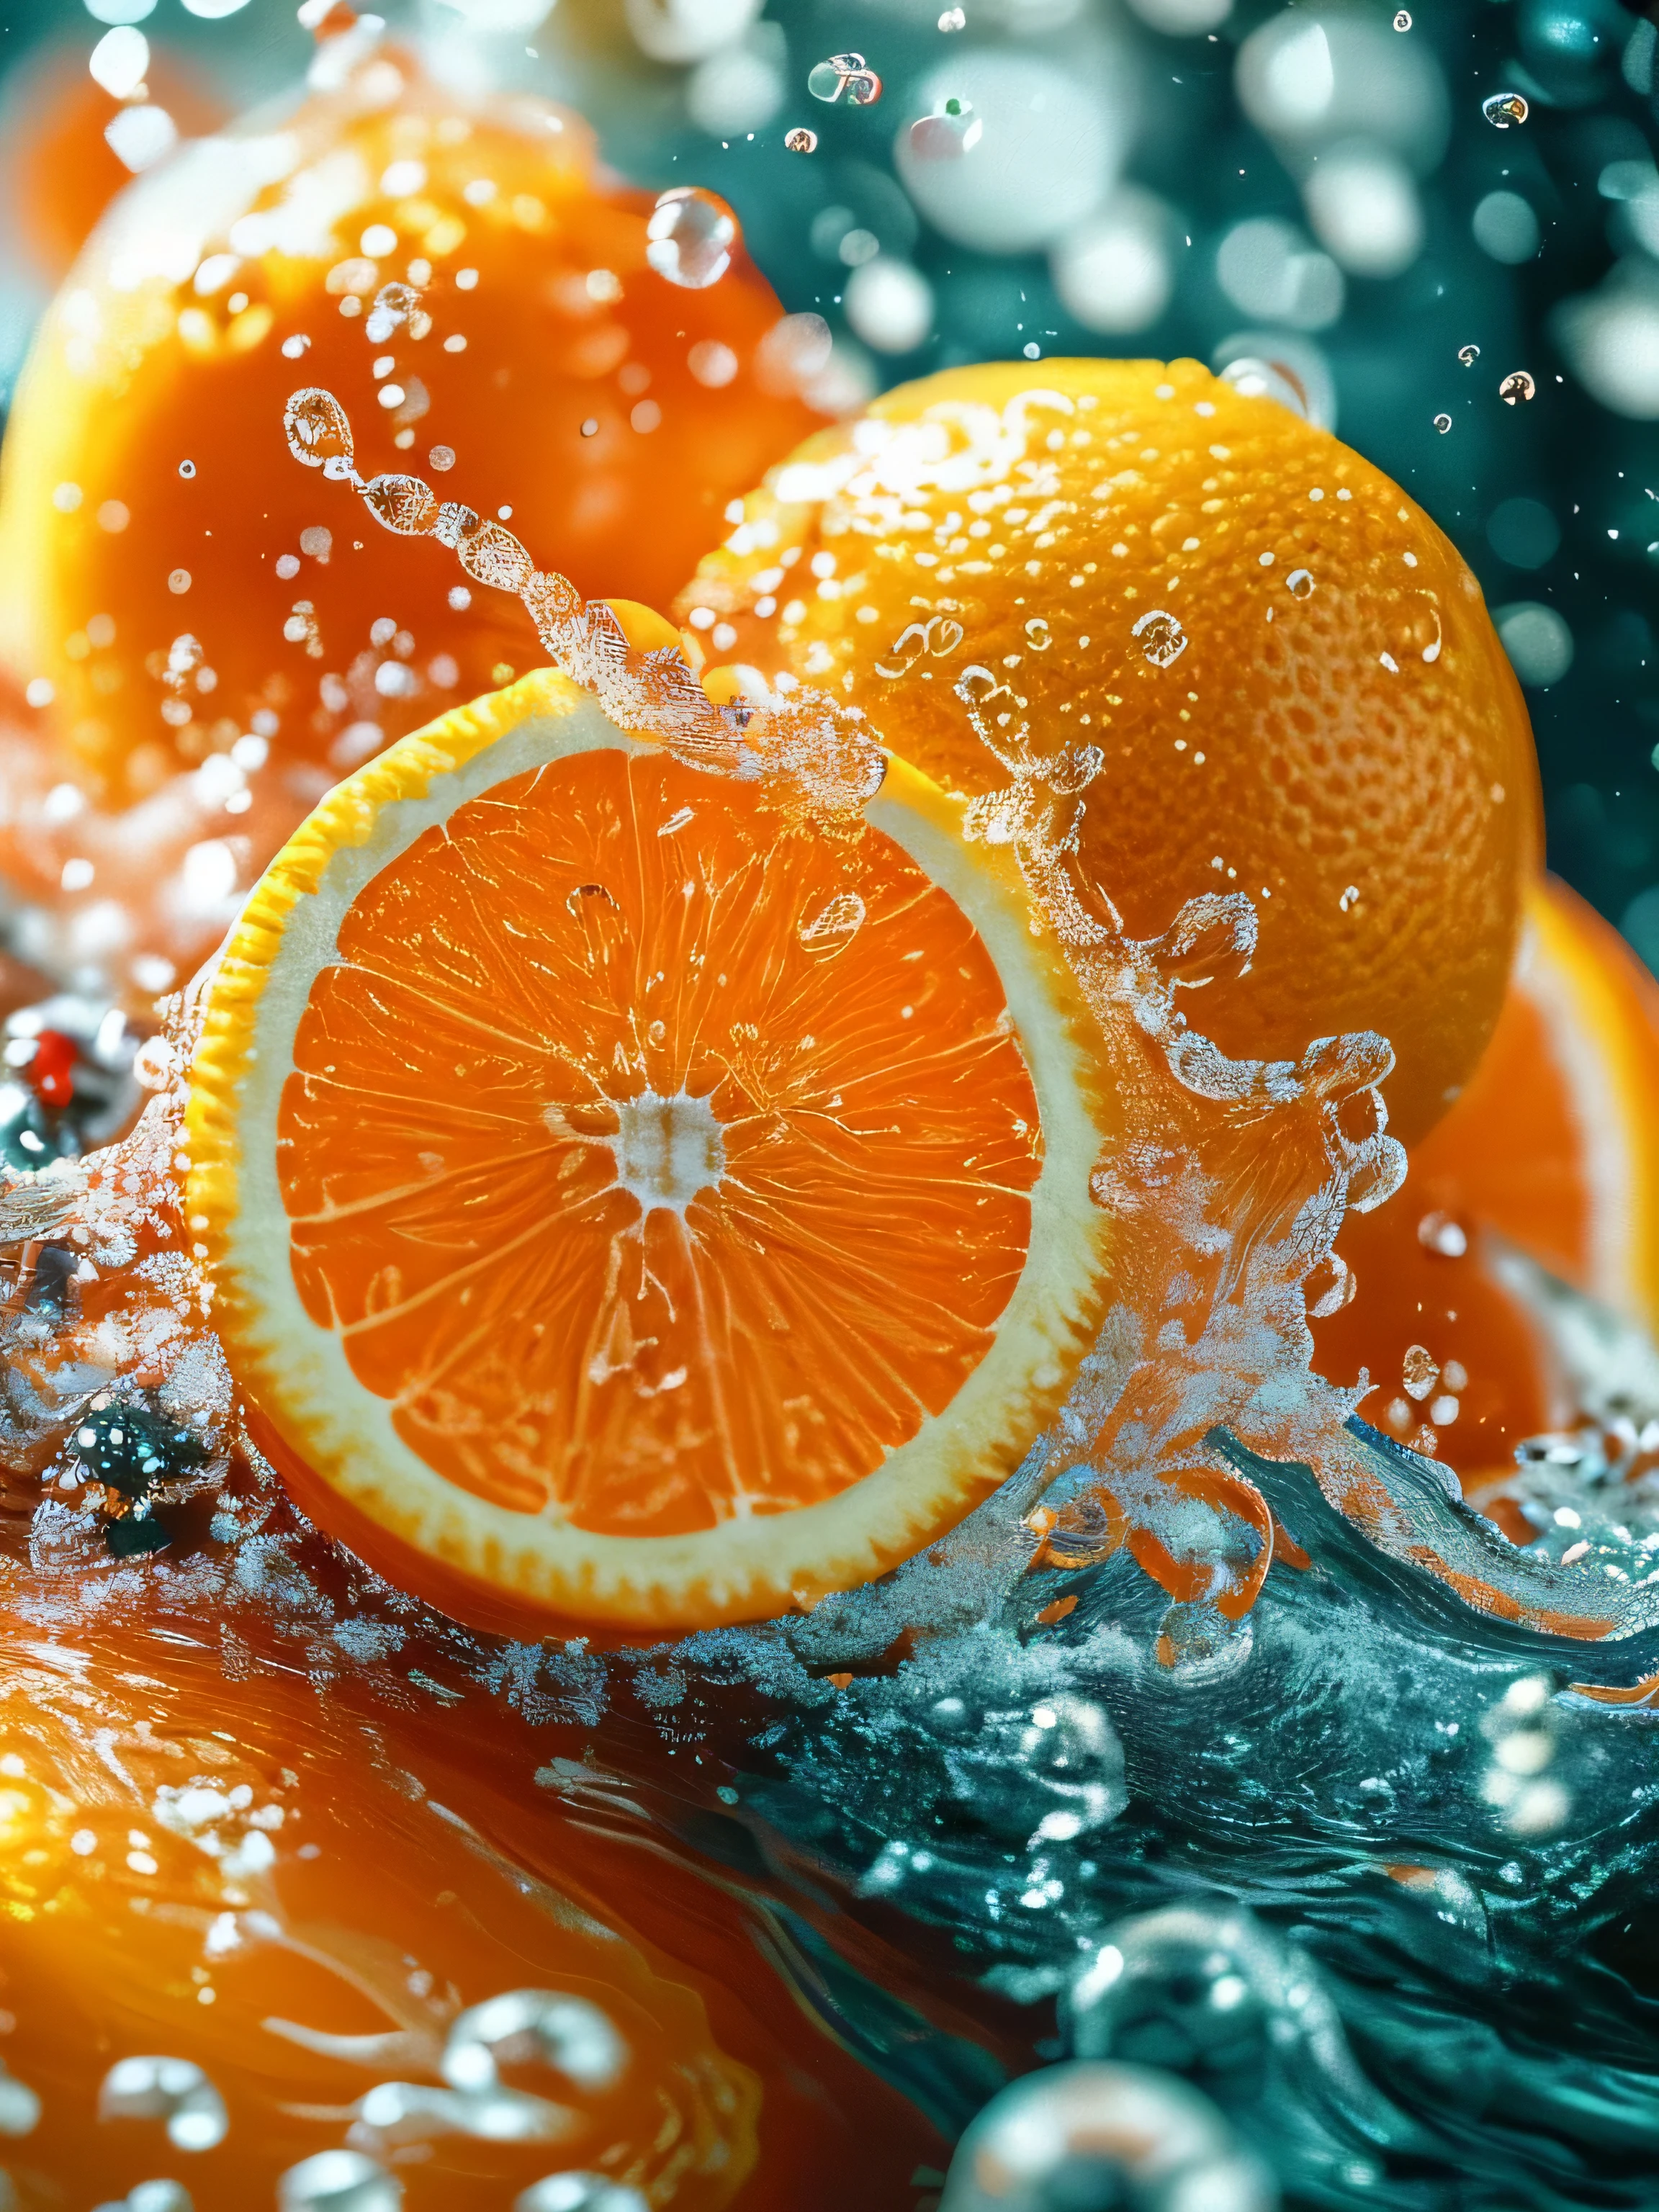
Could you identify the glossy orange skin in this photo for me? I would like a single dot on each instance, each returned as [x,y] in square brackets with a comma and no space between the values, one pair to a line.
[1384,819]
[565,325]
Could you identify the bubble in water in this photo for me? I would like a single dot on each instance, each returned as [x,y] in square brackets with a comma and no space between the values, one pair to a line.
[1256,379]
[317,431]
[845,76]
[580,2193]
[1516,386]
[441,457]
[833,927]
[953,19]
[1402,21]
[801,140]
[690,236]
[1469,355]
[565,2033]
[1037,634]
[1503,108]
[404,504]
[1419,1371]
[338,2181]
[174,2090]
[1300,583]
[186,468]
[394,305]
[1162,640]
[1443,423]
[948,134]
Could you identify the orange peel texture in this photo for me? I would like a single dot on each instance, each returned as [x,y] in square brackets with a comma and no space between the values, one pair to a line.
[1289,673]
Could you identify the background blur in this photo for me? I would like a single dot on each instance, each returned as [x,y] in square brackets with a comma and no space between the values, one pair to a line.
[1333,192]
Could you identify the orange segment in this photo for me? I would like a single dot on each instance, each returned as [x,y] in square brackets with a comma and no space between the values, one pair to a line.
[629,1199]
[1554,1146]
[1284,669]
[1555,1143]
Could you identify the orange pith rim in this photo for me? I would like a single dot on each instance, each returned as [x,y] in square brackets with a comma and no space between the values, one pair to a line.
[627,1203]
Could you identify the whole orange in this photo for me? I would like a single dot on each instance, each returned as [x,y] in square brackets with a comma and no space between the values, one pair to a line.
[1288,672]
[180,582]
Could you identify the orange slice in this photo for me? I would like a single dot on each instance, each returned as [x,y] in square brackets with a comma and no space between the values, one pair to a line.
[630,1202]
[1555,1142]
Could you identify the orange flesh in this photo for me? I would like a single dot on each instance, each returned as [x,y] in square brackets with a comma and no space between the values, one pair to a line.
[849,1153]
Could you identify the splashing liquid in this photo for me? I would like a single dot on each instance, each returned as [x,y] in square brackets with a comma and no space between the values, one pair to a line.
[1040,1779]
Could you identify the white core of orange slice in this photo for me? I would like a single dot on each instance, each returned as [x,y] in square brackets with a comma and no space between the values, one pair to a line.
[503,1566]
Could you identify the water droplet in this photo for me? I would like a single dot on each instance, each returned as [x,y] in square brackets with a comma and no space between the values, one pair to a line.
[845,76]
[953,19]
[833,926]
[801,140]
[1256,379]
[1162,640]
[1439,1233]
[1443,423]
[317,430]
[394,305]
[1402,21]
[404,504]
[1516,386]
[951,132]
[690,236]
[1037,634]
[1469,355]
[1300,583]
[179,580]
[1503,108]
[590,426]
[186,468]
[341,2181]
[1419,1371]
[174,2090]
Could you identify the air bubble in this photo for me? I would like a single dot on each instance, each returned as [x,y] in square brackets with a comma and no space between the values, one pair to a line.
[953,19]
[338,2181]
[1518,385]
[689,237]
[1501,109]
[833,927]
[845,76]
[1469,355]
[1163,641]
[186,468]
[1402,21]
[396,305]
[174,2090]
[951,132]
[1038,635]
[404,504]
[801,140]
[1419,1371]
[317,431]
[1300,583]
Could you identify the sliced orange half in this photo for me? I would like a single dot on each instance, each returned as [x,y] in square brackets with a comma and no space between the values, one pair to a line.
[632,1205]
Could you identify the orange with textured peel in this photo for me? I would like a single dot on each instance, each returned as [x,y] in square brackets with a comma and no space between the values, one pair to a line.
[182,583]
[1288,672]
[1554,1148]
[630,1200]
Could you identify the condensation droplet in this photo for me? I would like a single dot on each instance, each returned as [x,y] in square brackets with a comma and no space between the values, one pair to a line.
[800,140]
[833,927]
[317,428]
[845,76]
[1501,109]
[1443,423]
[1163,641]
[1419,1371]
[1038,635]
[1516,386]
[951,132]
[689,237]
[1300,583]
[404,504]
[1469,355]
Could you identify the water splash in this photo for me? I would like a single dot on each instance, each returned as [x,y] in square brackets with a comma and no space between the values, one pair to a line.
[1505,109]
